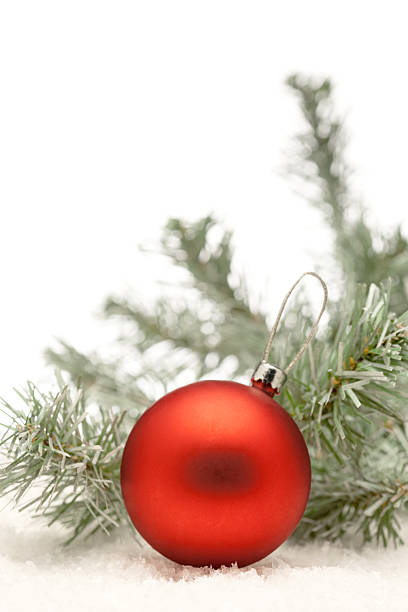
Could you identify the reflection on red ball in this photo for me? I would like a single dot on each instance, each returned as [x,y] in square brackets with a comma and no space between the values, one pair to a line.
[215,472]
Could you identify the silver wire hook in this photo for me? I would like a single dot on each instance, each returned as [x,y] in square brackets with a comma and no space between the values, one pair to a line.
[314,328]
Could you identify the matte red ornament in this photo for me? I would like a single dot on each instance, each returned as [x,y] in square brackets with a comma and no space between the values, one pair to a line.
[217,472]
[214,473]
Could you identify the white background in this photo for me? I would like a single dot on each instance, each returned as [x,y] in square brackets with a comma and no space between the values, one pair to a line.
[116,115]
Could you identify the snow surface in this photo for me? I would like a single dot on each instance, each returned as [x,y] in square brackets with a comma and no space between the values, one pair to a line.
[110,574]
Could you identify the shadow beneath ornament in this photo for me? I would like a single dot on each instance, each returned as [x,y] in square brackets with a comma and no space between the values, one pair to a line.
[161,568]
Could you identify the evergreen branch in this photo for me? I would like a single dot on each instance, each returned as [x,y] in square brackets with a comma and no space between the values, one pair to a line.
[202,323]
[320,149]
[366,255]
[355,425]
[72,456]
[208,262]
[352,508]
[104,383]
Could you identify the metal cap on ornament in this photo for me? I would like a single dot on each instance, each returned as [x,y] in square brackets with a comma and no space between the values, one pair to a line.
[268,377]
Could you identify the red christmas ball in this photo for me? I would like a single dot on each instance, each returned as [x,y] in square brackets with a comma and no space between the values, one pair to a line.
[215,472]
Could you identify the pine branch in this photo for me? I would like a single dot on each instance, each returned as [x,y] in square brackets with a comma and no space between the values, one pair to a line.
[365,254]
[352,408]
[72,456]
[104,383]
[320,150]
[353,508]
[201,324]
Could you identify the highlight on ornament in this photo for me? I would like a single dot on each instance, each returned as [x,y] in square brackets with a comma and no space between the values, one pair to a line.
[217,472]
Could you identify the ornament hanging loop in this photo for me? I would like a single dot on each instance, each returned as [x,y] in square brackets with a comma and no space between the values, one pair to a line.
[269,377]
[314,328]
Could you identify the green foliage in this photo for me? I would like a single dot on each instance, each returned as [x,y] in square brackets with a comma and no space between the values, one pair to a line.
[351,408]
[200,327]
[364,254]
[348,393]
[73,455]
[209,326]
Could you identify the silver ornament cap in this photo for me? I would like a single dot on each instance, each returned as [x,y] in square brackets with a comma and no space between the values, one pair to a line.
[268,377]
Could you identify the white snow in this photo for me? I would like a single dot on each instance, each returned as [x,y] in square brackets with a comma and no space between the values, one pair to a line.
[113,573]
